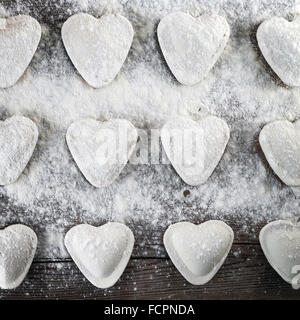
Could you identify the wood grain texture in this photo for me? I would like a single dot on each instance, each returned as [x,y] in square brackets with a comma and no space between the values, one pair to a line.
[245,275]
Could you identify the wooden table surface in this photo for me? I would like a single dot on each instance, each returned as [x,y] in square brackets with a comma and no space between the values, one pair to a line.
[150,274]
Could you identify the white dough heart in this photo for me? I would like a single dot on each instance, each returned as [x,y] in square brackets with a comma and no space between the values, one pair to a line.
[279,42]
[198,251]
[17,249]
[97,47]
[280,142]
[195,147]
[191,46]
[19,39]
[102,253]
[18,138]
[101,149]
[280,241]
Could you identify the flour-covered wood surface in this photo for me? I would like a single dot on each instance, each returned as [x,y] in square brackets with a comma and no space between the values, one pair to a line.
[51,196]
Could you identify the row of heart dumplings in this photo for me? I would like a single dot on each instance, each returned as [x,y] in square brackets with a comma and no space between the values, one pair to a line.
[194,148]
[191,46]
[197,251]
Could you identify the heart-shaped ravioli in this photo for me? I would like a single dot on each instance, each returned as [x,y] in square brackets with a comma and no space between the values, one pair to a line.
[278,40]
[198,251]
[18,138]
[280,241]
[97,47]
[280,142]
[17,249]
[195,147]
[101,149]
[101,253]
[19,38]
[191,46]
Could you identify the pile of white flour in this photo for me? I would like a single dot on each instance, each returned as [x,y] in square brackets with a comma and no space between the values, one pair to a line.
[53,195]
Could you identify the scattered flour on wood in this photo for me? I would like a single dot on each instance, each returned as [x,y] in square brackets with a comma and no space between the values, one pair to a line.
[52,195]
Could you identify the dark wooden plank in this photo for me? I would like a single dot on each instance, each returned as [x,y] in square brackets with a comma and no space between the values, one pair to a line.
[245,275]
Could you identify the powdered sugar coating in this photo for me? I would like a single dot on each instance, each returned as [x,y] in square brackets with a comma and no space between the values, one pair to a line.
[197,159]
[191,46]
[101,149]
[18,138]
[280,241]
[279,41]
[53,195]
[97,47]
[17,248]
[100,253]
[280,141]
[198,251]
[19,38]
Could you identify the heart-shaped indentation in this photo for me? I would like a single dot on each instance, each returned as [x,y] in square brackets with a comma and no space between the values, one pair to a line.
[280,142]
[280,241]
[198,251]
[101,149]
[19,39]
[279,42]
[17,249]
[97,47]
[195,147]
[191,46]
[18,138]
[102,253]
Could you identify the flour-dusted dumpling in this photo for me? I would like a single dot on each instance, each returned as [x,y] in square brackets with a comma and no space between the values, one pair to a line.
[191,46]
[280,142]
[101,253]
[17,249]
[18,138]
[198,251]
[19,39]
[195,147]
[280,241]
[279,42]
[97,47]
[101,149]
